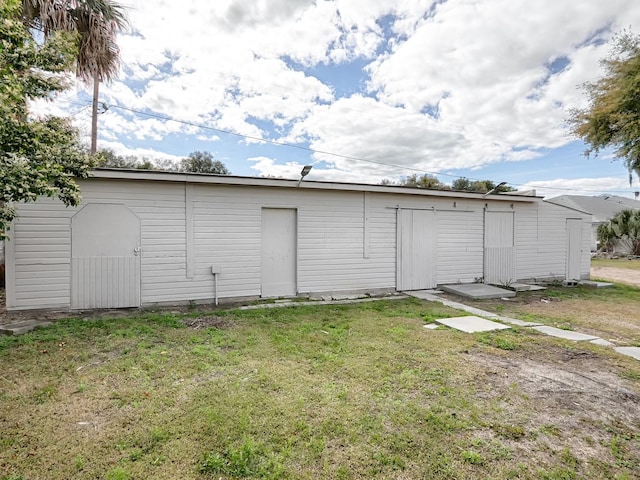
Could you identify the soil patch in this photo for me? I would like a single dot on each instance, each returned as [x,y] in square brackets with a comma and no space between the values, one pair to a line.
[568,398]
[622,275]
[209,321]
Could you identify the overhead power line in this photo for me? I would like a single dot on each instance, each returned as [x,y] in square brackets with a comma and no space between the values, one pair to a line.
[332,154]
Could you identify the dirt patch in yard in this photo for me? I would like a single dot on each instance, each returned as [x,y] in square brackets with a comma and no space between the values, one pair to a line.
[612,274]
[208,321]
[563,398]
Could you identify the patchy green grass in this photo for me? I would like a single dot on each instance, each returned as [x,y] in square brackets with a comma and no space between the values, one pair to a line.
[631,264]
[610,313]
[340,392]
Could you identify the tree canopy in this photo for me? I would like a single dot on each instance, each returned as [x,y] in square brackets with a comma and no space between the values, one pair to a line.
[196,162]
[203,162]
[623,228]
[95,24]
[479,186]
[38,157]
[612,119]
[423,181]
[460,184]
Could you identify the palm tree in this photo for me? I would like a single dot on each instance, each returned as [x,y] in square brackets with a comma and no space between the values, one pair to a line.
[96,22]
[624,228]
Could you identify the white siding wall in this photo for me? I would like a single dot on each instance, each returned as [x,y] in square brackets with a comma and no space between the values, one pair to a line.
[39,257]
[541,240]
[161,210]
[346,240]
[227,224]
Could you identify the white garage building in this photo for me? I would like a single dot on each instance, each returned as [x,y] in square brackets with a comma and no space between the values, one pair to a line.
[142,238]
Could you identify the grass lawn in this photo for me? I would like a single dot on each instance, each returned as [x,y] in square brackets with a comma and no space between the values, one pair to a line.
[612,313]
[633,264]
[339,392]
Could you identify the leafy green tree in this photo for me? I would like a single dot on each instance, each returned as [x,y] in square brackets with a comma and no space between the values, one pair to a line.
[622,228]
[95,24]
[478,186]
[423,181]
[612,119]
[203,162]
[109,159]
[38,157]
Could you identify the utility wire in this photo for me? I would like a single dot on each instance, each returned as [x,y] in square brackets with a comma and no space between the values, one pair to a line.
[323,152]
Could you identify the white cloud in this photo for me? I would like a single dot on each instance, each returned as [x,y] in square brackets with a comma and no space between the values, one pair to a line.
[268,167]
[579,186]
[458,84]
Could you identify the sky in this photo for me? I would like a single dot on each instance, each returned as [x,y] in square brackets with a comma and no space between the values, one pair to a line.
[363,90]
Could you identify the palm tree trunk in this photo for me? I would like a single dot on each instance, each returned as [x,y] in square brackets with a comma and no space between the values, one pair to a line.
[94,115]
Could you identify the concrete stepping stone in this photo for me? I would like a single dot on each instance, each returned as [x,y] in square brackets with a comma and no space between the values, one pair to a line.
[566,334]
[601,341]
[472,324]
[633,352]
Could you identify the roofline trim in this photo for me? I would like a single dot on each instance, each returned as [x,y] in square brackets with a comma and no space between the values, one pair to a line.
[148,175]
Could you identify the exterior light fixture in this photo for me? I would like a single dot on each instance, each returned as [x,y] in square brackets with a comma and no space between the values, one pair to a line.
[305,171]
[495,189]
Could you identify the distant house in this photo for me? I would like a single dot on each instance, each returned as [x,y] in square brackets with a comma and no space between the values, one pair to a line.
[601,208]
[143,238]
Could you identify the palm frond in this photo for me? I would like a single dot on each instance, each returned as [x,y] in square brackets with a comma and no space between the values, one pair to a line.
[96,22]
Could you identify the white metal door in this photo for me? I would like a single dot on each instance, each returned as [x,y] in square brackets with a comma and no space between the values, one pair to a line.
[105,257]
[279,257]
[416,265]
[574,248]
[499,248]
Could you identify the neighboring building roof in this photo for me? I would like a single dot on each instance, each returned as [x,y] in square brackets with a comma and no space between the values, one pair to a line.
[601,207]
[149,175]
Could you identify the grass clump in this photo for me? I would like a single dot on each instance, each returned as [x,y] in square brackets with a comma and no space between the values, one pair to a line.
[247,460]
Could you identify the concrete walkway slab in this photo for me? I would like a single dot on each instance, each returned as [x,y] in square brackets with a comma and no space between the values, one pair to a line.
[471,324]
[18,328]
[566,334]
[519,323]
[478,291]
[425,295]
[602,342]
[633,352]
[525,287]
[594,284]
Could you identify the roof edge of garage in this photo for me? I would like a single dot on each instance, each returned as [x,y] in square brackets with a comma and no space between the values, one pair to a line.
[125,174]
